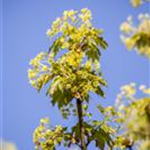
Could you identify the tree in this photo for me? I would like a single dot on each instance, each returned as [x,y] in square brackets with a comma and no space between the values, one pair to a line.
[71,69]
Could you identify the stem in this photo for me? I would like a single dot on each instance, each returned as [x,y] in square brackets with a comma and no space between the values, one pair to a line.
[80,117]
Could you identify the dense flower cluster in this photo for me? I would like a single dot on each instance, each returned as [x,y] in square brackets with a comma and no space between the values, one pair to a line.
[45,137]
[65,76]
[71,21]
[137,37]
[76,72]
[74,29]
[38,74]
[136,3]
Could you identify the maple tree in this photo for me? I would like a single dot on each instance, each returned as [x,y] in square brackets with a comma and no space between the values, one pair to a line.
[71,68]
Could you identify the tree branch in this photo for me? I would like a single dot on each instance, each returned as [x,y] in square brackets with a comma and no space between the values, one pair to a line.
[80,117]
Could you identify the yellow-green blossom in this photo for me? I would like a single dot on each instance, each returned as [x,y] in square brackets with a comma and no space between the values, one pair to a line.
[46,138]
[137,37]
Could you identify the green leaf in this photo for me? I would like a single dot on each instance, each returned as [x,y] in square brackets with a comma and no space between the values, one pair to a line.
[93,52]
[101,42]
[101,109]
[62,98]
[100,92]
[101,138]
[55,46]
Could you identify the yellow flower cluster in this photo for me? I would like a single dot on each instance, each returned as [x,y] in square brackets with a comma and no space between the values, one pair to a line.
[38,74]
[136,3]
[144,89]
[128,93]
[70,14]
[77,71]
[74,59]
[70,20]
[137,37]
[73,28]
[129,90]
[85,15]
[120,142]
[46,138]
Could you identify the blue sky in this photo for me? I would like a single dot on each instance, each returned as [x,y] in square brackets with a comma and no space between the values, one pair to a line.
[25,23]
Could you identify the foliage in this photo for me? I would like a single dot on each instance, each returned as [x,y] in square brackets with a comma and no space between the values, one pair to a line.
[136,115]
[71,69]
[135,110]
[136,3]
[137,37]
[101,132]
[45,137]
[76,72]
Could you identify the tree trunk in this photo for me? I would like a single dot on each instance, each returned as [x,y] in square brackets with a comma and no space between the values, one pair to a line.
[80,117]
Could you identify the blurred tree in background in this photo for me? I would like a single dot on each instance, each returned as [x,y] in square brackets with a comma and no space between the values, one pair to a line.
[137,37]
[135,112]
[134,106]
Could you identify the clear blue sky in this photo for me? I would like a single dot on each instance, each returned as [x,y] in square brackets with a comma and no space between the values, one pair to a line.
[24,26]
